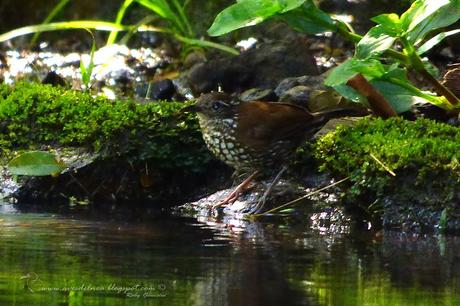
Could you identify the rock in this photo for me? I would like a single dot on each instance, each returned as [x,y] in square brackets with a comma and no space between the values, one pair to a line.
[299,95]
[262,67]
[247,203]
[258,94]
[54,79]
[313,82]
[162,90]
[452,79]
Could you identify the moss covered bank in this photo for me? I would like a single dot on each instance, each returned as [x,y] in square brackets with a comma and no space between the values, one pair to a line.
[140,151]
[405,172]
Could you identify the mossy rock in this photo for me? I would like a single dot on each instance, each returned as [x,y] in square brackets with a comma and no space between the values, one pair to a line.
[406,173]
[143,151]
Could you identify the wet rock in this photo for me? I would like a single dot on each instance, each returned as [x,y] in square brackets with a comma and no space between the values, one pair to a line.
[258,94]
[248,202]
[297,95]
[54,79]
[313,82]
[162,90]
[193,59]
[452,79]
[262,67]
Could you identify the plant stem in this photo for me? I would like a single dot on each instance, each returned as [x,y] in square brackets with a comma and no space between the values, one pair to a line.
[415,62]
[439,88]
[343,30]
[379,105]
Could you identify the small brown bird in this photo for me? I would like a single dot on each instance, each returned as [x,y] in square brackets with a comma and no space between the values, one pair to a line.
[255,135]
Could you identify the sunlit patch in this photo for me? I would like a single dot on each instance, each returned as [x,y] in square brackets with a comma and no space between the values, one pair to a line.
[254,21]
[345,18]
[332,221]
[246,43]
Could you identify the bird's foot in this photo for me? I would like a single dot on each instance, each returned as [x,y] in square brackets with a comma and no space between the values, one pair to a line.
[234,195]
[261,203]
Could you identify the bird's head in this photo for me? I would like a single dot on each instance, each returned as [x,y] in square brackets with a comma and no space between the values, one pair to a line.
[215,105]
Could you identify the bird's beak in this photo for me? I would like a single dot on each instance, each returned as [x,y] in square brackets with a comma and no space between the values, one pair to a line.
[191,109]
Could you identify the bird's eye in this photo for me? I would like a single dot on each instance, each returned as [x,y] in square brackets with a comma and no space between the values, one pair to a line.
[217,105]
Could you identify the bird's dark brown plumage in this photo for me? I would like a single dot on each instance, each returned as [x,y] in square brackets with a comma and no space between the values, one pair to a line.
[255,135]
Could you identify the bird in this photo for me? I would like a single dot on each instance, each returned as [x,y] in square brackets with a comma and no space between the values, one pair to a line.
[251,136]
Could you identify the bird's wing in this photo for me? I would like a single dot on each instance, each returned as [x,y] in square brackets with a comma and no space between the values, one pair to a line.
[261,124]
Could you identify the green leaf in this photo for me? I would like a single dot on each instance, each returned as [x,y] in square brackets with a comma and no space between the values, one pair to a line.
[425,16]
[66,25]
[160,7]
[435,40]
[308,18]
[120,15]
[246,13]
[370,68]
[56,10]
[87,71]
[390,22]
[350,94]
[36,163]
[406,92]
[376,41]
[400,99]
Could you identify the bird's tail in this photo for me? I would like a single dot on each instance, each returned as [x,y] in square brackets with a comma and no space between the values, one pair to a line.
[321,118]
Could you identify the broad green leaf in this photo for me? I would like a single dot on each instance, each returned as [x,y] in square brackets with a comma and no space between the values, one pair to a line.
[404,90]
[36,163]
[400,99]
[246,13]
[308,18]
[435,40]
[350,94]
[370,68]
[289,5]
[376,41]
[425,16]
[390,22]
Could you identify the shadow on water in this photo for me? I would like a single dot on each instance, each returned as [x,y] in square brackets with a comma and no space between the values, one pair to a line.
[141,258]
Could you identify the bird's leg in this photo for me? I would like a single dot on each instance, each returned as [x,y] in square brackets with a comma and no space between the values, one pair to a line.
[260,205]
[233,196]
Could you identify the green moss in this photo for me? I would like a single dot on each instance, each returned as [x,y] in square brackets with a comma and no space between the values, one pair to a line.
[34,115]
[423,154]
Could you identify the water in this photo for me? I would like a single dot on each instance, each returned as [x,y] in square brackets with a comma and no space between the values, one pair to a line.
[85,259]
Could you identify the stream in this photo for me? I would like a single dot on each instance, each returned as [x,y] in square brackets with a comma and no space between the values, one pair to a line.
[86,257]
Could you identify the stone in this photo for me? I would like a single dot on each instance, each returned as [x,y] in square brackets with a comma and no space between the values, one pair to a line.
[162,90]
[258,94]
[313,82]
[263,67]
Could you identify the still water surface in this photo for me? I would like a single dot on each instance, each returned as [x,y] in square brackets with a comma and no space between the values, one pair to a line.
[85,259]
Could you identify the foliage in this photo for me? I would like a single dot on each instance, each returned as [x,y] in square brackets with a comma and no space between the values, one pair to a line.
[56,10]
[87,71]
[374,56]
[33,116]
[174,15]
